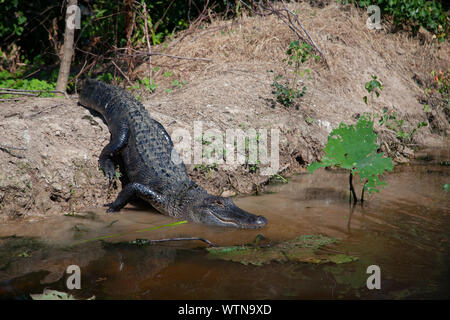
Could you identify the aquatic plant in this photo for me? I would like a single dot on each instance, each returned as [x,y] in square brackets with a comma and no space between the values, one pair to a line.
[354,148]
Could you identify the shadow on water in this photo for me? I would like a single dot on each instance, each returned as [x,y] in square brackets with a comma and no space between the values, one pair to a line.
[405,230]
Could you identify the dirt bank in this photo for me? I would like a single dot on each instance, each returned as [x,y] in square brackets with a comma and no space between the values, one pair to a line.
[49,147]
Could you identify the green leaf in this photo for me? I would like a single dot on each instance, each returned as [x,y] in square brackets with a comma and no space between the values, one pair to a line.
[354,148]
[314,166]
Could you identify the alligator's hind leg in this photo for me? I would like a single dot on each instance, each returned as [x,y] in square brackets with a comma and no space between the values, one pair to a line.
[118,141]
[137,189]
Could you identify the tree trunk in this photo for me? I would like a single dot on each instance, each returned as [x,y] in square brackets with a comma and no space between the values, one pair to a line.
[129,21]
[66,59]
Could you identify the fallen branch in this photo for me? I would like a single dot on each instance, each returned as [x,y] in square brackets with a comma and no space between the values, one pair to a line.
[4,146]
[181,239]
[10,99]
[140,54]
[23,92]
[8,149]
[180,57]
[126,233]
[19,93]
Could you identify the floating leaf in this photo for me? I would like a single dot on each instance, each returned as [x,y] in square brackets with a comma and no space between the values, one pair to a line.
[301,249]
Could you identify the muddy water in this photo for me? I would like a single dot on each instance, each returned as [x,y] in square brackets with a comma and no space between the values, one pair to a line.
[405,230]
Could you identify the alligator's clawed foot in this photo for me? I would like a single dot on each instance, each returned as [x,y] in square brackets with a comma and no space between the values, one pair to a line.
[107,166]
[111,207]
[109,174]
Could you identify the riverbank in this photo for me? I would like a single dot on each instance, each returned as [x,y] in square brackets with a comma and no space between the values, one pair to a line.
[49,147]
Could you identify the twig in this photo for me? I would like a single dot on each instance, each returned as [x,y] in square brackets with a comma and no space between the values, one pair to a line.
[78,74]
[156,25]
[29,75]
[304,30]
[285,15]
[30,21]
[123,74]
[194,25]
[46,109]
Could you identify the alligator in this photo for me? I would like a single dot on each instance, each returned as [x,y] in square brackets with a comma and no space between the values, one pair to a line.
[153,168]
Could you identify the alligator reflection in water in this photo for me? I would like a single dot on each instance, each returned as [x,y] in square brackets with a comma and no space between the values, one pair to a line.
[405,230]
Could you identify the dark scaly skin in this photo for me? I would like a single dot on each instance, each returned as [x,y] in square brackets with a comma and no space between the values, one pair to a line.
[146,152]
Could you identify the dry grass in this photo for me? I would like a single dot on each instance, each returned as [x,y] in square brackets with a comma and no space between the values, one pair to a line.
[234,90]
[253,45]
[351,49]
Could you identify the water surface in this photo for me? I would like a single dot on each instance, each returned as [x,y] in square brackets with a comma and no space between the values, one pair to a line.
[405,230]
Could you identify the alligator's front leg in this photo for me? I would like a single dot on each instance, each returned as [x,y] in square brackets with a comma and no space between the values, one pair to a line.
[143,191]
[117,142]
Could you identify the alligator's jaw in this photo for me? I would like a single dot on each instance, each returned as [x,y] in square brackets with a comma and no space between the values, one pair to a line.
[223,212]
[249,222]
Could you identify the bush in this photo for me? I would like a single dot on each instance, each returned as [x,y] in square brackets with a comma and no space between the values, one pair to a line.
[428,14]
[8,80]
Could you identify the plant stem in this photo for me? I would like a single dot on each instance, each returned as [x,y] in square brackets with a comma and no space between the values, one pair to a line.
[352,190]
[362,192]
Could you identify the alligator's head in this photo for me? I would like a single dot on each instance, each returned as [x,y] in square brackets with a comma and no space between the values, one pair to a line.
[91,95]
[223,212]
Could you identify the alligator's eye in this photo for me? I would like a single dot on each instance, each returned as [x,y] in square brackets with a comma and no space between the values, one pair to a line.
[220,202]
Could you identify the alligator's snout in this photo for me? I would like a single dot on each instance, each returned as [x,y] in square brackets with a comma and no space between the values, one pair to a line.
[224,212]
[260,222]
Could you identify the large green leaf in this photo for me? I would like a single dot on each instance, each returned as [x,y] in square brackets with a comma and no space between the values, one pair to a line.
[354,148]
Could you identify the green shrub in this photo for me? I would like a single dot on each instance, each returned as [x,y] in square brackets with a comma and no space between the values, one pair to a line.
[287,91]
[428,14]
[33,84]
